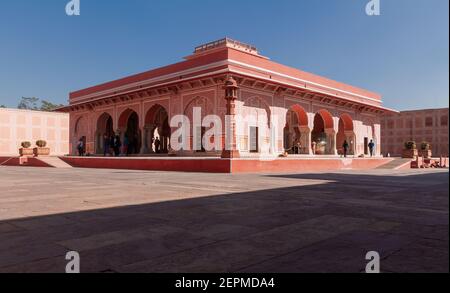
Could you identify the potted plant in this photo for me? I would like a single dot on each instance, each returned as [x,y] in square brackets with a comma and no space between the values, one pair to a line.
[41,149]
[25,150]
[410,150]
[425,150]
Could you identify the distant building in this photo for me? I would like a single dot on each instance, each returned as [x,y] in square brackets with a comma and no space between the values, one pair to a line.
[17,126]
[420,125]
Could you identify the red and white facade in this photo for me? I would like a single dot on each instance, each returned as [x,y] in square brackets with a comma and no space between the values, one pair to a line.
[292,107]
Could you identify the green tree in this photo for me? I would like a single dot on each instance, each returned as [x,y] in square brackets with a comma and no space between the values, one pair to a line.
[2,106]
[49,106]
[28,103]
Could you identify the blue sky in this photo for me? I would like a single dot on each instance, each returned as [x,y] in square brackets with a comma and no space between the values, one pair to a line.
[402,54]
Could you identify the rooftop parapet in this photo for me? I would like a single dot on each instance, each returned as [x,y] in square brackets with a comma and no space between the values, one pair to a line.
[225,43]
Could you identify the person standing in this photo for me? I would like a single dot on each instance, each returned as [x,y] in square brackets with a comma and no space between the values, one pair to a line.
[157,145]
[371,147]
[106,144]
[313,146]
[126,144]
[345,146]
[80,147]
[117,145]
[111,144]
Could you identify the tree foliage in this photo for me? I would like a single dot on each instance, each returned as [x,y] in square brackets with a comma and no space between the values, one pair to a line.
[49,106]
[35,104]
[28,103]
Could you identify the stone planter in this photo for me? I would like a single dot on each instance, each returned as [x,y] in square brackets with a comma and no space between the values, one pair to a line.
[26,152]
[320,149]
[410,154]
[427,154]
[41,152]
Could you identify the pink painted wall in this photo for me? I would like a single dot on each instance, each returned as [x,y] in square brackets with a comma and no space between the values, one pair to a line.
[421,125]
[17,126]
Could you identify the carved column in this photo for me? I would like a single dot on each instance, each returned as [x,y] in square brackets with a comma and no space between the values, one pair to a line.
[230,151]
[306,140]
[144,147]
[331,142]
[350,137]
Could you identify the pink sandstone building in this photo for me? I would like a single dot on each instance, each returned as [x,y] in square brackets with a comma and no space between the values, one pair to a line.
[421,125]
[17,126]
[298,112]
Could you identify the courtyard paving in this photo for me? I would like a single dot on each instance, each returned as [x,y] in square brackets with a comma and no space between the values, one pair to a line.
[132,221]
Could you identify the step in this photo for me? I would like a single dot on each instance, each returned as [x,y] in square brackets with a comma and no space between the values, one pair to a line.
[54,162]
[396,164]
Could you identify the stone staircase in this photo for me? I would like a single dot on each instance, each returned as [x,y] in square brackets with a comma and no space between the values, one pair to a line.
[396,164]
[54,162]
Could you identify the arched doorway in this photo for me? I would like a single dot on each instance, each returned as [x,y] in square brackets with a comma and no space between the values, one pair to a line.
[323,134]
[203,107]
[80,132]
[104,128]
[257,138]
[346,133]
[157,131]
[296,131]
[130,133]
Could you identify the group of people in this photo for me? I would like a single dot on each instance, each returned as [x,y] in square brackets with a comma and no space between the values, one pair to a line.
[157,143]
[297,148]
[111,145]
[346,146]
[371,147]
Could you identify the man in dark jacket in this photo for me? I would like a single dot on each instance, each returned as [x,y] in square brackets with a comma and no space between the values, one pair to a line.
[345,146]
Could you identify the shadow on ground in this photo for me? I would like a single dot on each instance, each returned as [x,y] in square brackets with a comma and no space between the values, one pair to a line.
[325,227]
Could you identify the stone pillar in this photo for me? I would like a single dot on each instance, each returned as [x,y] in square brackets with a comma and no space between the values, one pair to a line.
[230,151]
[144,146]
[306,139]
[121,133]
[98,140]
[331,142]
[350,137]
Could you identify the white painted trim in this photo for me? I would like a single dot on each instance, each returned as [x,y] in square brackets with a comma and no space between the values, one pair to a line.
[318,91]
[228,62]
[152,86]
[156,79]
[300,80]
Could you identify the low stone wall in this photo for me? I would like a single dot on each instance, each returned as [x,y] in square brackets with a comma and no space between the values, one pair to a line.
[305,165]
[217,165]
[214,165]
[26,162]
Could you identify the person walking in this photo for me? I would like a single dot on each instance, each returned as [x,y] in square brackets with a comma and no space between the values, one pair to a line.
[371,147]
[345,146]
